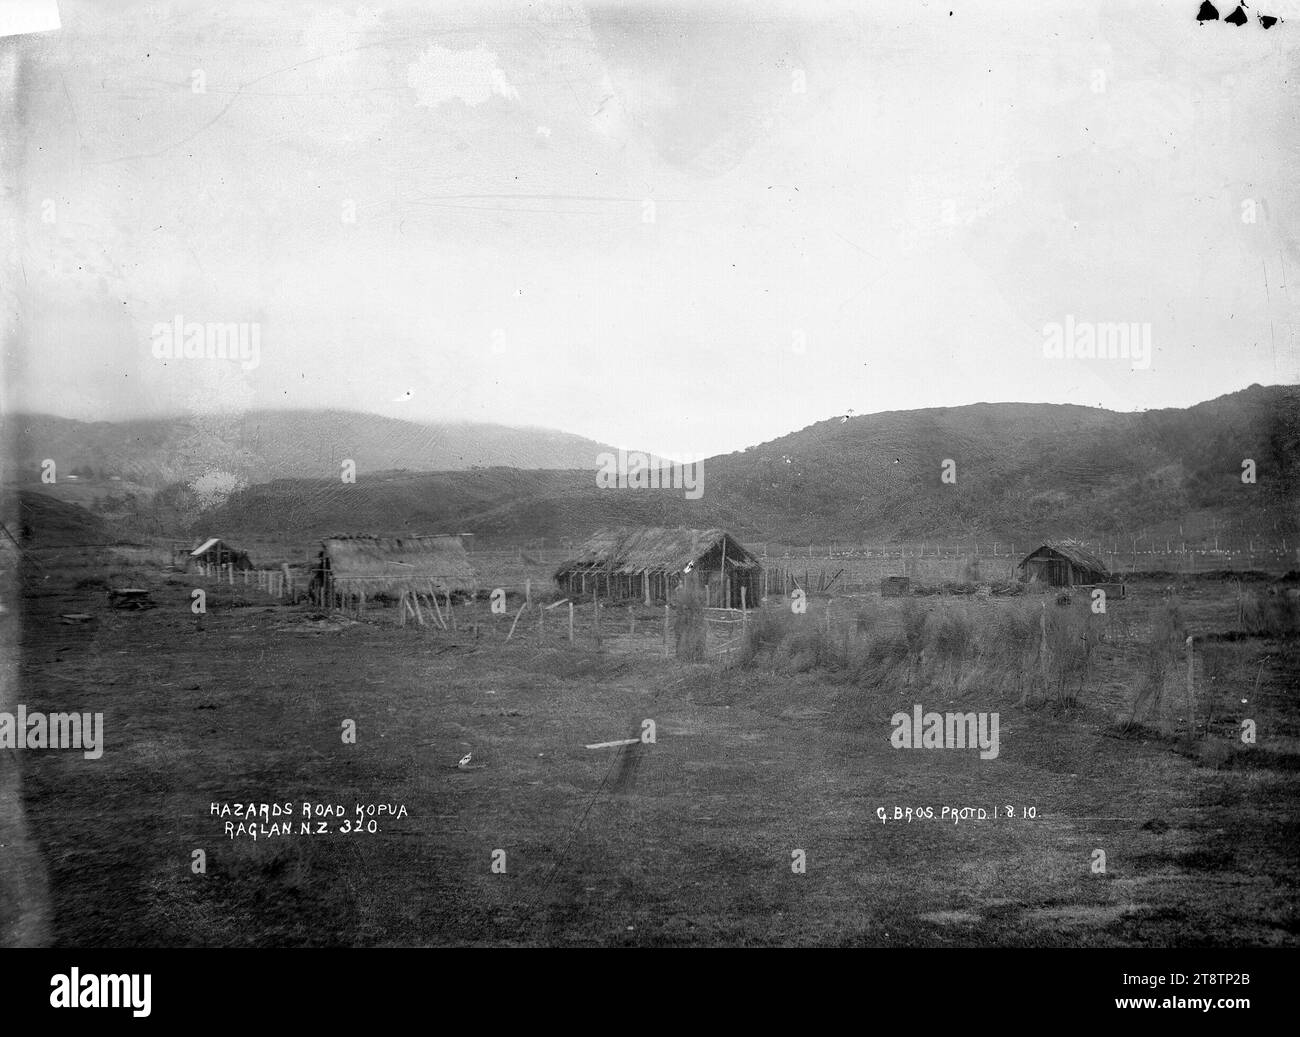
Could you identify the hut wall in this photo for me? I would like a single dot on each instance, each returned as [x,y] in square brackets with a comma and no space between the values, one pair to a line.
[1055,572]
[662,585]
[220,555]
[1059,572]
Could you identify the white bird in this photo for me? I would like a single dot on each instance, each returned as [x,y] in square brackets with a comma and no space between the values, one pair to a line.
[464,761]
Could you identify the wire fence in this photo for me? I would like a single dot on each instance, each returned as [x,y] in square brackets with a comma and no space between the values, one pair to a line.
[859,568]
[281,584]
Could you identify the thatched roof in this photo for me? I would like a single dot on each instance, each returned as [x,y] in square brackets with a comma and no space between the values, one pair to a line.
[1073,552]
[385,565]
[656,549]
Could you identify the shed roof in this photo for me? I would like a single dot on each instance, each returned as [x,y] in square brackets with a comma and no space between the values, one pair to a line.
[1072,551]
[373,564]
[204,547]
[655,549]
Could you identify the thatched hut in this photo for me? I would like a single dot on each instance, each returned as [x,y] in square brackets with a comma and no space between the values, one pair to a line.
[362,567]
[1063,563]
[650,563]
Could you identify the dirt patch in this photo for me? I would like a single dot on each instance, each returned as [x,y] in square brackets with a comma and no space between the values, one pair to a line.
[951,917]
[1084,914]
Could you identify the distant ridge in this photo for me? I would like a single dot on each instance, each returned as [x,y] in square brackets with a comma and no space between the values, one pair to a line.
[257,446]
[1021,471]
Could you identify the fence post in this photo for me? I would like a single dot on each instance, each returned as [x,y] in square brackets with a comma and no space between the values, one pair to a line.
[570,622]
[1042,651]
[1191,691]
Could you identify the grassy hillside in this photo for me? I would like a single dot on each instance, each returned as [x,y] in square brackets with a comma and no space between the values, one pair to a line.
[44,521]
[1021,470]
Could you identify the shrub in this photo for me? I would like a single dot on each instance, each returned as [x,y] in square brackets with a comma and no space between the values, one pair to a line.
[1014,647]
[688,622]
[1072,637]
[953,640]
[766,631]
[1269,615]
[1167,637]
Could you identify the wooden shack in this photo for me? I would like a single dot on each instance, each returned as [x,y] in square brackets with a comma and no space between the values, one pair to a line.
[216,552]
[365,567]
[650,563]
[1063,563]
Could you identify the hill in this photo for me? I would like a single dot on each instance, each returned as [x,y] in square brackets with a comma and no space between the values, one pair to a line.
[44,521]
[1021,470]
[259,446]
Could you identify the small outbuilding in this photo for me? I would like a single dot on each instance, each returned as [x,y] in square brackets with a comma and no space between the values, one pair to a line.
[387,567]
[1063,563]
[651,562]
[216,552]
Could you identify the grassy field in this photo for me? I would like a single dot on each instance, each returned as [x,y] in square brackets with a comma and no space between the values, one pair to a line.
[779,746]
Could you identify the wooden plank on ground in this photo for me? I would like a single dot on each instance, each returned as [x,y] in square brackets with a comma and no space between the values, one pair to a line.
[612,745]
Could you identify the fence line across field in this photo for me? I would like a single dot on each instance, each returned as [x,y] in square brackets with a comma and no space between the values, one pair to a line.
[1123,553]
[782,576]
[857,568]
[277,583]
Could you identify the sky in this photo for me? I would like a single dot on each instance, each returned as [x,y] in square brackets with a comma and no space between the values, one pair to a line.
[679,228]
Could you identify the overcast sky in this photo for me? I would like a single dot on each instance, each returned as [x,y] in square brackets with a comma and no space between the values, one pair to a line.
[683,228]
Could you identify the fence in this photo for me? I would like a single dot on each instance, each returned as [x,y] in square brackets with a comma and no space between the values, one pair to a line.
[280,584]
[850,569]
[859,568]
[633,627]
